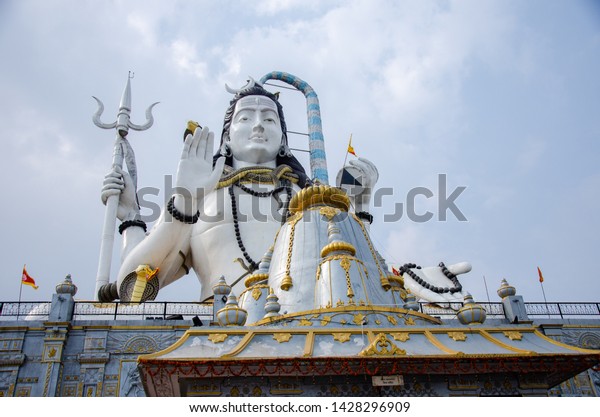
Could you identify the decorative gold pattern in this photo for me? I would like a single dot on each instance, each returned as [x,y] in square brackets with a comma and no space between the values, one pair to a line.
[205,390]
[341,337]
[462,382]
[52,353]
[407,315]
[256,293]
[392,320]
[359,319]
[345,264]
[326,320]
[409,321]
[217,337]
[291,218]
[400,336]
[287,389]
[382,277]
[255,279]
[457,336]
[329,212]
[337,246]
[513,335]
[305,322]
[319,195]
[287,283]
[339,257]
[252,288]
[259,175]
[503,345]
[46,380]
[282,337]
[396,279]
[381,346]
[140,344]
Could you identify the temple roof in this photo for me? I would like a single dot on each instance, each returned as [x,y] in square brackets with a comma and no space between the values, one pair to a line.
[449,350]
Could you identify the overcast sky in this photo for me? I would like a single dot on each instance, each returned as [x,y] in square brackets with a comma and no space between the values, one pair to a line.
[501,97]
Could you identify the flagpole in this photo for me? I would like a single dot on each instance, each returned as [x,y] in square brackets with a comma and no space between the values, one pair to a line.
[545,301]
[543,292]
[486,290]
[347,148]
[20,291]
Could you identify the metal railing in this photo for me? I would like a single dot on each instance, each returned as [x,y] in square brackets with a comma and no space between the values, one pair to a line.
[534,310]
[562,310]
[449,310]
[88,310]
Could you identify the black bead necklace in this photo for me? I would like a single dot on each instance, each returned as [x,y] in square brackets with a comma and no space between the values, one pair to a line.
[253,265]
[457,285]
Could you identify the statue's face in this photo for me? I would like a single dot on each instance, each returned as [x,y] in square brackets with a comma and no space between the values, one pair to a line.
[255,133]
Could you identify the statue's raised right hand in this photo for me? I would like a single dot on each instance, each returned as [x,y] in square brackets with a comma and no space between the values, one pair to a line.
[196,176]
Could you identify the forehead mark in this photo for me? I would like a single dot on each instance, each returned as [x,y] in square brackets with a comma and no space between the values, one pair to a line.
[256,100]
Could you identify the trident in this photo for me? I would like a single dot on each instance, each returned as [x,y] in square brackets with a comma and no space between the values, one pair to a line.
[122,151]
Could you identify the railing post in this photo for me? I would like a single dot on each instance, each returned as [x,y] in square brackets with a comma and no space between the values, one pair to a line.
[164,310]
[116,309]
[559,310]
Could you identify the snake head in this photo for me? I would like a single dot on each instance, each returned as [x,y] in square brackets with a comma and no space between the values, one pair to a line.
[146,272]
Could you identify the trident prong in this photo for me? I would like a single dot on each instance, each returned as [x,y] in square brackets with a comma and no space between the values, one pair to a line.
[123,122]
[149,120]
[96,116]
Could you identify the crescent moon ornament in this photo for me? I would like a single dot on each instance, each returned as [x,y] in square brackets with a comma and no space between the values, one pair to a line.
[251,83]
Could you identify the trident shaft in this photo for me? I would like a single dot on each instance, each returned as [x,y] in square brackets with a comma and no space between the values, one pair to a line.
[122,152]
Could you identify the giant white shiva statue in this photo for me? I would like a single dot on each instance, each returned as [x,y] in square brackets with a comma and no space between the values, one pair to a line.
[249,215]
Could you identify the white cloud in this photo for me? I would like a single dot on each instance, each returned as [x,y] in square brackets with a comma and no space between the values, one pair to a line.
[185,58]
[144,27]
[273,7]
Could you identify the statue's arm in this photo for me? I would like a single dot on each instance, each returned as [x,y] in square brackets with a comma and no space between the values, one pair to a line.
[166,247]
[436,284]
[360,195]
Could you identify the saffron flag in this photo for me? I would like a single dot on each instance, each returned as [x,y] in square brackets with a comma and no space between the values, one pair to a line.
[540,274]
[27,280]
[350,148]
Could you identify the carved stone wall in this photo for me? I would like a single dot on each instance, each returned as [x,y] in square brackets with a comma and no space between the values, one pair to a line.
[583,335]
[79,359]
[99,358]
